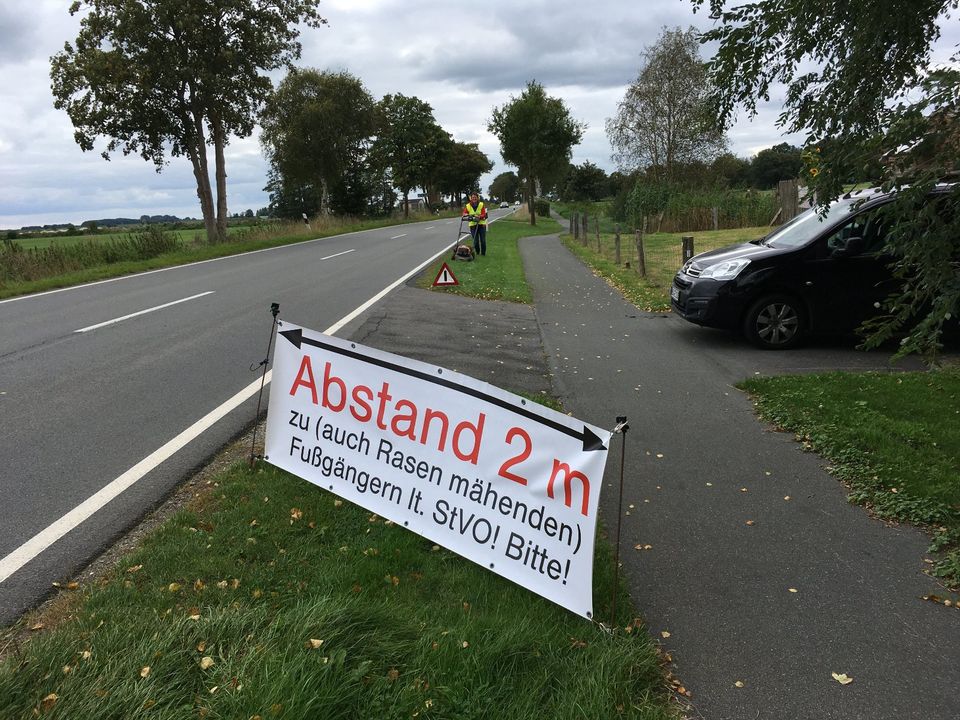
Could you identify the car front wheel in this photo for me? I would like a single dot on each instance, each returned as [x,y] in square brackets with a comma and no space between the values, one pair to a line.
[774,322]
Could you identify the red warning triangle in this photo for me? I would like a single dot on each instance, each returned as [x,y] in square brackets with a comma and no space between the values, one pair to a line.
[445,277]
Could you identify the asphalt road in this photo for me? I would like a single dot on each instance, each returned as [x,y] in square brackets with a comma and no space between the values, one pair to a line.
[83,402]
[758,570]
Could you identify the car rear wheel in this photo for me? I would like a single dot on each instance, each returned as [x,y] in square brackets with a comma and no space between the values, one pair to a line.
[774,322]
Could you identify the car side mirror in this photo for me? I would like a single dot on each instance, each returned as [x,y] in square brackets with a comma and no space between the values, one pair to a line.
[854,246]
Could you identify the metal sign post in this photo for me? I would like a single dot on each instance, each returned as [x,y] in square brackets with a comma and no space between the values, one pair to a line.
[274,310]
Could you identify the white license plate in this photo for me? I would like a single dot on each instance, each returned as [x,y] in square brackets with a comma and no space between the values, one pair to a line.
[675,293]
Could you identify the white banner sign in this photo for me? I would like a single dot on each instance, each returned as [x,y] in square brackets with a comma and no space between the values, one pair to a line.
[501,480]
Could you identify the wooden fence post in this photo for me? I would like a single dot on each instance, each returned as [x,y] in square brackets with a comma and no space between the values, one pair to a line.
[715,213]
[586,230]
[789,194]
[687,247]
[575,224]
[596,224]
[616,244]
[641,262]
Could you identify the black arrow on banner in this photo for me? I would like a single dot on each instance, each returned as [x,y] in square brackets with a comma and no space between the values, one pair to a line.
[587,436]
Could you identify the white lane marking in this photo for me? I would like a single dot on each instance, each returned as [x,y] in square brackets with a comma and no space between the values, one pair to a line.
[143,312]
[430,228]
[345,252]
[398,236]
[58,528]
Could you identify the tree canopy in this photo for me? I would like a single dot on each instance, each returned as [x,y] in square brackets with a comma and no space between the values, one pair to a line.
[505,186]
[862,86]
[585,183]
[663,121]
[158,76]
[317,129]
[537,134]
[410,142]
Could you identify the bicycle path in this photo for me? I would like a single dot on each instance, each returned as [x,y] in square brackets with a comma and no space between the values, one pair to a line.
[758,568]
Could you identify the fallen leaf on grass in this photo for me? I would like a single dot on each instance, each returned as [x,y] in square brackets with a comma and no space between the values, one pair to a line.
[86,654]
[144,671]
[295,514]
[67,669]
[337,503]
[201,646]
[135,568]
[199,585]
[575,643]
[664,634]
[72,585]
[38,626]
[393,675]
[842,678]
[465,644]
[314,644]
[222,584]
[49,701]
[174,587]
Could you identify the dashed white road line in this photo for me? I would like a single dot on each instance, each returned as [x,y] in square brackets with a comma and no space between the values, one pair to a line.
[143,312]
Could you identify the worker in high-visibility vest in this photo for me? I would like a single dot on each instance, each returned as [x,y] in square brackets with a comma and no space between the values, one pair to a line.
[476,213]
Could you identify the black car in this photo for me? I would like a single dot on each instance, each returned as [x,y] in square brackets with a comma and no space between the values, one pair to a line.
[815,274]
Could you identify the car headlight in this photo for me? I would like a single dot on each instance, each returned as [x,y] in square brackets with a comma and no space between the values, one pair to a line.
[726,270]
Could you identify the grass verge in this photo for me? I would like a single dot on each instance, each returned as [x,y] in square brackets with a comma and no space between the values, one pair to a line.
[267,236]
[662,255]
[499,274]
[894,439]
[269,597]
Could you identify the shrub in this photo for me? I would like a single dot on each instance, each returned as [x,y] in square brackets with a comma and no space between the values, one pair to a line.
[542,207]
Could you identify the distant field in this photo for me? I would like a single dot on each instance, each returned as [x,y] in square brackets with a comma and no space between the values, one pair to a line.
[66,241]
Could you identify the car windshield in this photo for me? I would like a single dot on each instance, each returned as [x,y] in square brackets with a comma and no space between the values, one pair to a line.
[809,223]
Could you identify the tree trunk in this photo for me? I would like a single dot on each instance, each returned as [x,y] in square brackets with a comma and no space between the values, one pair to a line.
[324,197]
[220,169]
[530,204]
[406,203]
[197,150]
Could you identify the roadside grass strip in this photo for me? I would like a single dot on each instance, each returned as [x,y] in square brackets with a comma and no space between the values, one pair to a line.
[269,597]
[240,240]
[499,274]
[663,256]
[893,438]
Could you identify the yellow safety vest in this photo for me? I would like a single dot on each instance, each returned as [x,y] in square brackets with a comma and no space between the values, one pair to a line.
[475,214]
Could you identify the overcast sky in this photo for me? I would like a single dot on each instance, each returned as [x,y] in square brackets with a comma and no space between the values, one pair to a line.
[463,59]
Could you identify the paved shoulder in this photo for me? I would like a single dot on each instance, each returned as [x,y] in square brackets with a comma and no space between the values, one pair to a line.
[494,341]
[757,567]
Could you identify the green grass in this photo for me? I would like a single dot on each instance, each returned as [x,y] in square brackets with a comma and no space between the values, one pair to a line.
[35,243]
[499,274]
[267,564]
[893,438]
[663,257]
